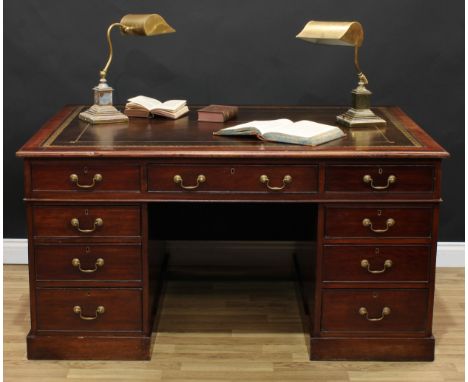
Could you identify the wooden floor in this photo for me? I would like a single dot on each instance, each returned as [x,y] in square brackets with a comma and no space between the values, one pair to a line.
[234,331]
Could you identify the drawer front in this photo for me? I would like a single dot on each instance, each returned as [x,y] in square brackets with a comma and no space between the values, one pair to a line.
[255,179]
[379,179]
[86,221]
[80,309]
[88,262]
[379,221]
[357,310]
[375,263]
[85,176]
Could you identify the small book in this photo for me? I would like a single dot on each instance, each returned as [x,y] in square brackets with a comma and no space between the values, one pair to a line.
[142,106]
[286,131]
[217,113]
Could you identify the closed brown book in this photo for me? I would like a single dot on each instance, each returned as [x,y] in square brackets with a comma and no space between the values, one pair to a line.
[217,113]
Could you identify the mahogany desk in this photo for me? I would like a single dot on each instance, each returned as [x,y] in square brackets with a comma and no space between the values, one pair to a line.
[368,285]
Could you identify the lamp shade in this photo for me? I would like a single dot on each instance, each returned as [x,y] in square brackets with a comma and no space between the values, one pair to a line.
[145,25]
[348,33]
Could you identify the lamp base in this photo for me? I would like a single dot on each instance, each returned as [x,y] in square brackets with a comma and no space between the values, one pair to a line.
[360,117]
[103,114]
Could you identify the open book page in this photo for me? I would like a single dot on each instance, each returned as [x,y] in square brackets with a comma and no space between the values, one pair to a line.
[283,130]
[172,114]
[304,133]
[303,129]
[172,105]
[256,127]
[145,102]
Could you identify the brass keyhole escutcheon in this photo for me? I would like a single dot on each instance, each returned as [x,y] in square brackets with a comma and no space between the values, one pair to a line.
[233,170]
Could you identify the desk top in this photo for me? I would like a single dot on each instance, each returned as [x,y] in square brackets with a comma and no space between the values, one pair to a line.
[66,135]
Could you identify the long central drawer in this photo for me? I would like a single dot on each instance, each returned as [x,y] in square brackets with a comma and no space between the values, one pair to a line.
[235,178]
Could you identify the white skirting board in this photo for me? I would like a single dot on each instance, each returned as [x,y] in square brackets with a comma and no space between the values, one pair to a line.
[449,254]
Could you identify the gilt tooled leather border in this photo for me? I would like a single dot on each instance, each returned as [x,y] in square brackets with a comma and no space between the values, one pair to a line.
[50,141]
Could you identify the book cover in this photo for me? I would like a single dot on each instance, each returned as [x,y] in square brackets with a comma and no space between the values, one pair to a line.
[217,113]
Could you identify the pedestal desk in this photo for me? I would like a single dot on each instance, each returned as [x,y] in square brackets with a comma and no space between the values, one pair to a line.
[95,276]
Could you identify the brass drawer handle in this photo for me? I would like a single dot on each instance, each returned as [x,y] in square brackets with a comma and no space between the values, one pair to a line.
[365,264]
[368,223]
[368,179]
[200,179]
[97,223]
[99,310]
[385,312]
[77,264]
[96,179]
[286,180]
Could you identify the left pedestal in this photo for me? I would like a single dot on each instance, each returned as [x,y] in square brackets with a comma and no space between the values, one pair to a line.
[89,281]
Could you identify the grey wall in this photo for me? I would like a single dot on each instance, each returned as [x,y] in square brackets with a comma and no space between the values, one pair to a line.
[239,52]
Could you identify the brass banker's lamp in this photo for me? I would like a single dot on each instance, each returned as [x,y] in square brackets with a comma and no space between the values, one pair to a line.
[139,25]
[348,33]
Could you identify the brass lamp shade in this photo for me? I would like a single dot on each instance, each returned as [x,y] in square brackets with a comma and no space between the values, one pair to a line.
[103,110]
[346,33]
[145,25]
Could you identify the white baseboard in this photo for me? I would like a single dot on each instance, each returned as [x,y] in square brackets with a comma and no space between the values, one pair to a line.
[449,254]
[15,251]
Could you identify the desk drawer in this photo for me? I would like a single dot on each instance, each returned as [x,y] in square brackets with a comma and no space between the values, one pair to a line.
[368,310]
[88,262]
[381,179]
[81,309]
[86,221]
[379,221]
[255,179]
[370,263]
[83,176]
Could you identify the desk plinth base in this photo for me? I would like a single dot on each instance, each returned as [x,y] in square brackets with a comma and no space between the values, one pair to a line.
[89,347]
[371,349]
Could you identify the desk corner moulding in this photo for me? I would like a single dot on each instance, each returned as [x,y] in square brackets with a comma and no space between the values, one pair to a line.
[367,283]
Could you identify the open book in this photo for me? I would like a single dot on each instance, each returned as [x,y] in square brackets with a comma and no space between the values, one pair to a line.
[142,106]
[286,131]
